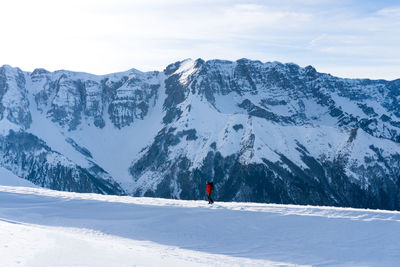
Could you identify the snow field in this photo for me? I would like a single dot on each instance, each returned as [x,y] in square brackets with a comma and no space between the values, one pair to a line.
[34,245]
[7,178]
[40,227]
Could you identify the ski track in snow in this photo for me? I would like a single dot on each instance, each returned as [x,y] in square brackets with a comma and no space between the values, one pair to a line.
[39,227]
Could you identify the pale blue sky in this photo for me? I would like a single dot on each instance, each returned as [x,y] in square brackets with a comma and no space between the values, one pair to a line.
[347,38]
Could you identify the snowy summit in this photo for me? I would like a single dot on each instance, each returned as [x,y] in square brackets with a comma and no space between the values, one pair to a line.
[263,132]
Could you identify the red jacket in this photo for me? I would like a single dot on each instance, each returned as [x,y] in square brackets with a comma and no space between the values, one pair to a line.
[208,189]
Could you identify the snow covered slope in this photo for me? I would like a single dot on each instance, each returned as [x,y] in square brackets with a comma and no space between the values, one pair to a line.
[9,179]
[263,132]
[40,227]
[272,132]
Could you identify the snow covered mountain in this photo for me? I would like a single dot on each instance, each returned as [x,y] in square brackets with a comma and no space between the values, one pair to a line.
[263,132]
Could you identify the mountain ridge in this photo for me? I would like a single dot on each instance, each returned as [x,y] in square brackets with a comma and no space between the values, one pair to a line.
[279,133]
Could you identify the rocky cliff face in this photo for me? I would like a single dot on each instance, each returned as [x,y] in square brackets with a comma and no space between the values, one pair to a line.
[264,132]
[29,157]
[14,105]
[271,132]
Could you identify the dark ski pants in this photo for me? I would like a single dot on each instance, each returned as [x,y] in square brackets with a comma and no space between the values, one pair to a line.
[210,200]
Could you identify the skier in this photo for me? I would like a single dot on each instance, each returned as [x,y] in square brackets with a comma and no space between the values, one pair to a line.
[209,189]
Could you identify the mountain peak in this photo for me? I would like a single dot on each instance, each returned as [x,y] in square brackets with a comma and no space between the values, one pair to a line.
[39,71]
[265,132]
[6,66]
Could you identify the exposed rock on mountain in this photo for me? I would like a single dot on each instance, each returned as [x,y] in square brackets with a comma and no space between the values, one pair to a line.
[264,132]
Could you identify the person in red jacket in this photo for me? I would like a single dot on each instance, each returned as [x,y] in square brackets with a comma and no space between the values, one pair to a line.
[209,189]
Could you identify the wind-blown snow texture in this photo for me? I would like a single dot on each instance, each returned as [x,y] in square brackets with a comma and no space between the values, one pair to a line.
[263,132]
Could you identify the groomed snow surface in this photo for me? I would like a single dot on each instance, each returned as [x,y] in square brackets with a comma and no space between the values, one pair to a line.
[40,227]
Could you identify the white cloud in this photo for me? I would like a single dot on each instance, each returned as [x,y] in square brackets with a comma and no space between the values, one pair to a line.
[390,11]
[103,36]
